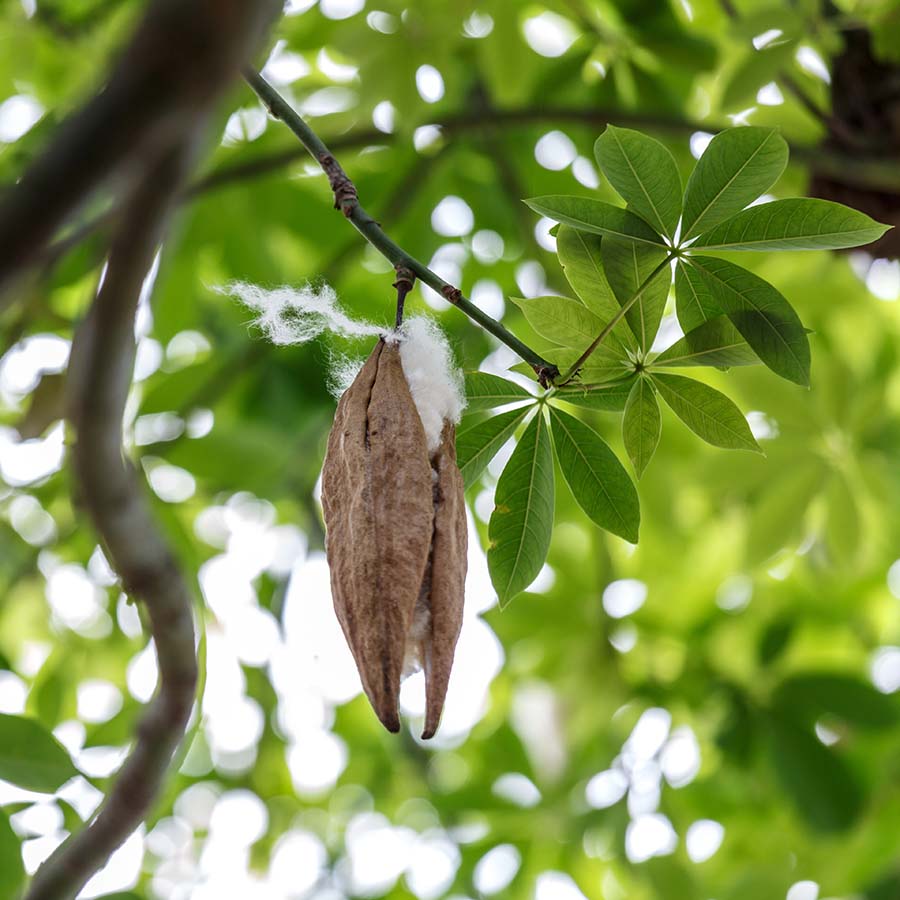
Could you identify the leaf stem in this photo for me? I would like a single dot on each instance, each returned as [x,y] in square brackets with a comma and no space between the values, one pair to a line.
[404,284]
[347,200]
[607,329]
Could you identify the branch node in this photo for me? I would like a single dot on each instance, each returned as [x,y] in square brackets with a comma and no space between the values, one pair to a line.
[346,198]
[546,375]
[451,294]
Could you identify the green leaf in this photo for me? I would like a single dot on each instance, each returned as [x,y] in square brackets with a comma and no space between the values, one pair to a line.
[706,411]
[694,301]
[627,266]
[12,872]
[644,174]
[738,165]
[641,424]
[582,264]
[595,216]
[478,441]
[758,69]
[714,343]
[561,320]
[31,757]
[809,695]
[605,364]
[485,391]
[819,782]
[798,224]
[610,397]
[522,521]
[597,479]
[761,314]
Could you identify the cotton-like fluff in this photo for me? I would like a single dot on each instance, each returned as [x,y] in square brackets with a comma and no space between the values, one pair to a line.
[392,493]
[342,370]
[434,379]
[297,315]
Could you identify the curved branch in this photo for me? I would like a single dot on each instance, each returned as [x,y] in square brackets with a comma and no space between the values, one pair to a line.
[101,370]
[347,201]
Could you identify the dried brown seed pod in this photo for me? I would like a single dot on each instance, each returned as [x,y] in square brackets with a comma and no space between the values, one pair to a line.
[396,537]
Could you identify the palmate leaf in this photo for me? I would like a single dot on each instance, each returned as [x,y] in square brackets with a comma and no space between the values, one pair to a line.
[595,216]
[714,343]
[605,364]
[627,266]
[641,424]
[521,524]
[597,479]
[31,757]
[738,165]
[561,320]
[761,314]
[485,391]
[694,301]
[797,224]
[610,397]
[478,441]
[706,411]
[582,264]
[644,174]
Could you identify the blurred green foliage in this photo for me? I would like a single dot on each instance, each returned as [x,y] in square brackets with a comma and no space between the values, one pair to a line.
[768,612]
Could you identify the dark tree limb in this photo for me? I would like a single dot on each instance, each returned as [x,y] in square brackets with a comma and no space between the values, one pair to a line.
[182,54]
[109,487]
[142,128]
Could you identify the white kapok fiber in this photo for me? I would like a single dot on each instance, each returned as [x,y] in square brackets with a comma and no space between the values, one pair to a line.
[434,379]
[297,315]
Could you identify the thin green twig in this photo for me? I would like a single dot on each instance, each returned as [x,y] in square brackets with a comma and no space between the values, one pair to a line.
[347,200]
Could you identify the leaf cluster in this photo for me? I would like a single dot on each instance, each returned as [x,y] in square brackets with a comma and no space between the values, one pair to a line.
[621,264]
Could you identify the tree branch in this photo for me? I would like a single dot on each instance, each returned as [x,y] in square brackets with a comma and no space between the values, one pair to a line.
[347,201]
[144,125]
[100,376]
[181,55]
